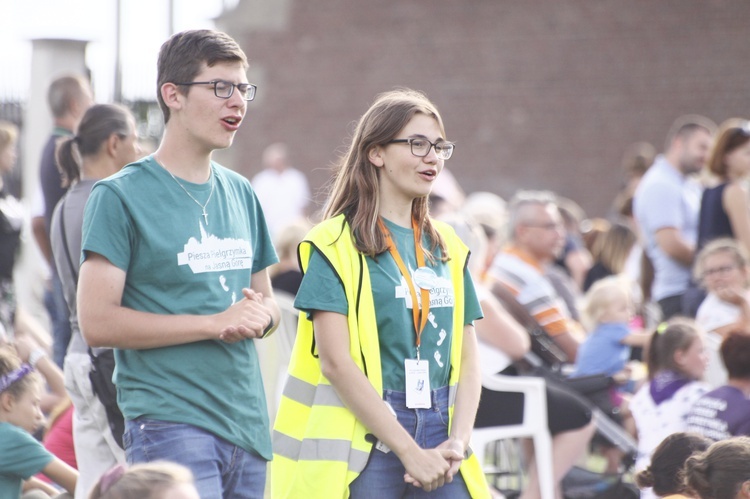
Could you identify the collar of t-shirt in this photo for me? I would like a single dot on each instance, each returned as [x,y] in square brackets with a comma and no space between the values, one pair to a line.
[665,384]
[525,256]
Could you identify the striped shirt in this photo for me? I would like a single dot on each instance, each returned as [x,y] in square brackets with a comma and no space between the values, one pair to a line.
[524,277]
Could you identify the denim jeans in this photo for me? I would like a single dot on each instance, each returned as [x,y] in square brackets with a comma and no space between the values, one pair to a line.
[222,470]
[57,308]
[383,477]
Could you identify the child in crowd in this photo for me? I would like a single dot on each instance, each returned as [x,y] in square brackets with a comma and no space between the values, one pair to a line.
[609,308]
[22,456]
[664,474]
[606,351]
[676,362]
[722,471]
[155,480]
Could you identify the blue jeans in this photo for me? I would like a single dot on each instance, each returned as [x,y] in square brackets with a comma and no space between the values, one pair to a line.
[57,308]
[221,469]
[383,477]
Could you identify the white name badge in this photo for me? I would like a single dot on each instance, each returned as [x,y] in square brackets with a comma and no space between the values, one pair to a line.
[417,384]
[425,278]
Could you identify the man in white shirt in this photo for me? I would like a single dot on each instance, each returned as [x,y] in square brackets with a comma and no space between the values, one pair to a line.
[282,190]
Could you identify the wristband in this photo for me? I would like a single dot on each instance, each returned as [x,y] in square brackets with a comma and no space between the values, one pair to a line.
[35,357]
[267,330]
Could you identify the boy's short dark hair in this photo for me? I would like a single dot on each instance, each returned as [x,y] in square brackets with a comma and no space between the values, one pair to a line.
[735,352]
[182,57]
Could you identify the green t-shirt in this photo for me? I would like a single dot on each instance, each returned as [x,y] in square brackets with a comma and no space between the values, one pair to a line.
[321,289]
[143,222]
[21,456]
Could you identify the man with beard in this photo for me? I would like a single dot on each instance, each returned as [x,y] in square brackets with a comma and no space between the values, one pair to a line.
[666,207]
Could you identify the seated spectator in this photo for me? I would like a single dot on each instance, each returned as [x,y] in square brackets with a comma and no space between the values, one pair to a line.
[21,455]
[537,236]
[611,253]
[575,258]
[286,275]
[676,364]
[58,436]
[609,307]
[725,411]
[502,340]
[722,471]
[722,267]
[664,474]
[606,351]
[154,480]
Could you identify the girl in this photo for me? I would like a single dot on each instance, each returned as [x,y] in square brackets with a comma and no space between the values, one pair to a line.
[722,471]
[664,474]
[384,379]
[676,362]
[21,455]
[105,142]
[155,480]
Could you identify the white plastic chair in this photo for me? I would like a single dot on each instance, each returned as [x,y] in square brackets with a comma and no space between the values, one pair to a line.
[534,425]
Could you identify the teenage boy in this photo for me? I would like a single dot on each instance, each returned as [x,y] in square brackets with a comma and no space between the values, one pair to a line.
[174,277]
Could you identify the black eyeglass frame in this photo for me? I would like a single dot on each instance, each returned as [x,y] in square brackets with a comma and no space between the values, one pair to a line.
[432,145]
[250,88]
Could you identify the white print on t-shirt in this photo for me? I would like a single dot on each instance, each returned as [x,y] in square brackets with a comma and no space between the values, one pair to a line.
[442,336]
[431,318]
[437,357]
[212,254]
[441,295]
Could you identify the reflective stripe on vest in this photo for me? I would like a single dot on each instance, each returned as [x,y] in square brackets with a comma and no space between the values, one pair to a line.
[309,395]
[319,449]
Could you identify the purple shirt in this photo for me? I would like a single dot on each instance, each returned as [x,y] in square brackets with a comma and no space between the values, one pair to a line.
[721,413]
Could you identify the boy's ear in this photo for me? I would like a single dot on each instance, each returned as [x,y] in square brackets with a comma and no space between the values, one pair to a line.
[171,95]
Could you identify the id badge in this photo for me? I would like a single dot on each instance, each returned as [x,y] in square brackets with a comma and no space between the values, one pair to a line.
[417,383]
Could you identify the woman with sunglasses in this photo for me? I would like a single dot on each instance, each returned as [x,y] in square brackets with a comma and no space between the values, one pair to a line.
[384,379]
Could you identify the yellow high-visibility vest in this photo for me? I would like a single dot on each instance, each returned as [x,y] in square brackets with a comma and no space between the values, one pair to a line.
[319,445]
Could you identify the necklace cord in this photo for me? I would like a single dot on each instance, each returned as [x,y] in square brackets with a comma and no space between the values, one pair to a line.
[210,194]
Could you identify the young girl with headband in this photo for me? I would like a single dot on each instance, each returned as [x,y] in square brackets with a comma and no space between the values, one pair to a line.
[21,455]
[384,378]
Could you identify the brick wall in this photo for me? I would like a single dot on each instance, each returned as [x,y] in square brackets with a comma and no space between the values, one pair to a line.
[537,94]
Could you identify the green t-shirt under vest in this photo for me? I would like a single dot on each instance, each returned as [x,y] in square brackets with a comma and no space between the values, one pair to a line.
[321,289]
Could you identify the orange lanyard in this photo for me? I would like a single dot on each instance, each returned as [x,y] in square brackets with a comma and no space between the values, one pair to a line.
[419,314]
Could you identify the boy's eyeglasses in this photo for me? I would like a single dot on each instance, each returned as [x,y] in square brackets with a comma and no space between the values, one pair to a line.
[224,89]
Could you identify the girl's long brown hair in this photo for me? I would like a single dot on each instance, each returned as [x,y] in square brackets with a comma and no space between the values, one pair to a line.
[356,185]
